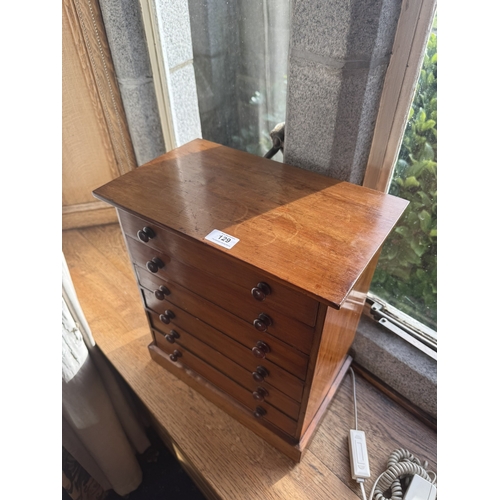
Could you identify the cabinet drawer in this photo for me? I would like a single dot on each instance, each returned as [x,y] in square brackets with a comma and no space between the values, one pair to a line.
[228,297]
[261,391]
[193,312]
[189,360]
[281,298]
[262,369]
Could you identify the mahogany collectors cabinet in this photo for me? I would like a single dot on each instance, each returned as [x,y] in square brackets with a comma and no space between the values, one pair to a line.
[253,276]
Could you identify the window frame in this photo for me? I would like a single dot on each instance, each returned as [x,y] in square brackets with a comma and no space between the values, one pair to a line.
[160,72]
[391,358]
[410,42]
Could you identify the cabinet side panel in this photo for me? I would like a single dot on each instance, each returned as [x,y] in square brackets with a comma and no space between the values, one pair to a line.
[338,334]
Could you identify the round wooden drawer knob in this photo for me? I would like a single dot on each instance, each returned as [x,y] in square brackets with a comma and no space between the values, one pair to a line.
[260,350]
[260,374]
[154,264]
[172,336]
[260,394]
[259,412]
[261,291]
[176,355]
[262,322]
[167,316]
[161,292]
[146,234]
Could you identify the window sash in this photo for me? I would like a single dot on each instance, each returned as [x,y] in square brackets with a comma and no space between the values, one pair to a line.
[410,42]
[402,76]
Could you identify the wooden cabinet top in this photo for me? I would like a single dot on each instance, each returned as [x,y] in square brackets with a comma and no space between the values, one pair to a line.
[310,231]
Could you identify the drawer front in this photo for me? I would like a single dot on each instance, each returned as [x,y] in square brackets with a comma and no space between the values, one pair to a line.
[223,294]
[261,391]
[281,298]
[189,360]
[263,370]
[189,309]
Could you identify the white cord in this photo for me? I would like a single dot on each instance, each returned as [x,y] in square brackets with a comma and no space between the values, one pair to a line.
[360,480]
[361,485]
[400,463]
[354,397]
[435,476]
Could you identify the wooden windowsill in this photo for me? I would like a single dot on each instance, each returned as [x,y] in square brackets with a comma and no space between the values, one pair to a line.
[225,459]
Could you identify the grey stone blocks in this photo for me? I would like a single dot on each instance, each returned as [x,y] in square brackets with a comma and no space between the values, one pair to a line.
[175,36]
[339,52]
[126,38]
[402,366]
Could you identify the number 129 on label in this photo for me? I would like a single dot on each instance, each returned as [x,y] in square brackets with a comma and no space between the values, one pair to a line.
[223,239]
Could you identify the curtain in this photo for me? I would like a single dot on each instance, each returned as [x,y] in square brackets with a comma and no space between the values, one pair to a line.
[101,428]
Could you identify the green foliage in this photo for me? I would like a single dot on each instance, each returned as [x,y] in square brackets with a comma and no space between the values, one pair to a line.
[406,275]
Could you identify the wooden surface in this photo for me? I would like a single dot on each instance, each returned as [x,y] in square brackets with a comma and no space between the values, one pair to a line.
[338,334]
[282,298]
[221,294]
[231,369]
[96,146]
[304,229]
[227,460]
[310,235]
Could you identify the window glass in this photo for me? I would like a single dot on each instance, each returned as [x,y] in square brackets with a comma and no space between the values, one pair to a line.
[406,275]
[240,51]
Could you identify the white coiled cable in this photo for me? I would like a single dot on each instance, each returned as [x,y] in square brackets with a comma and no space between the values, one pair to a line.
[400,463]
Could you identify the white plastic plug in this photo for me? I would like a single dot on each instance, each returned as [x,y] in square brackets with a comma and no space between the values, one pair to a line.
[360,468]
[420,489]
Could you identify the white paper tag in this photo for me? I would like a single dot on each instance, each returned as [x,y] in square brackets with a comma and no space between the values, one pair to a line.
[223,239]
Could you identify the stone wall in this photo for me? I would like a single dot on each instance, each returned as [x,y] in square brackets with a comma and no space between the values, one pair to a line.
[339,53]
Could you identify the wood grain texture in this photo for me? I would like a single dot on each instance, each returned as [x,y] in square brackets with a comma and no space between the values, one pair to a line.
[96,146]
[227,460]
[230,273]
[87,214]
[281,215]
[230,368]
[227,295]
[305,230]
[88,26]
[199,373]
[216,319]
[85,140]
[337,336]
[395,396]
[276,376]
